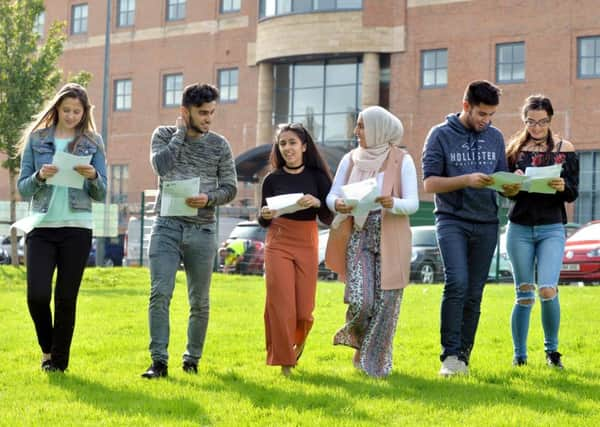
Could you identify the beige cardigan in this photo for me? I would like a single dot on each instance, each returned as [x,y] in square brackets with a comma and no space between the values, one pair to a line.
[396,236]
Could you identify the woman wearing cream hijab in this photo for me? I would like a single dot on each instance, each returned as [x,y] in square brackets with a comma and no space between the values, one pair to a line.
[376,265]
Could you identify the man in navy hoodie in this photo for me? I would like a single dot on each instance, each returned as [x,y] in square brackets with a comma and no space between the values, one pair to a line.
[458,158]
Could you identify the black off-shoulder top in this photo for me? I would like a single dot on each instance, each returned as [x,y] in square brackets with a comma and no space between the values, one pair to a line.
[540,209]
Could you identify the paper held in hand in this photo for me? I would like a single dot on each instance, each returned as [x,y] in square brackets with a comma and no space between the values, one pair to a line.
[67,176]
[361,196]
[173,195]
[539,178]
[535,180]
[285,203]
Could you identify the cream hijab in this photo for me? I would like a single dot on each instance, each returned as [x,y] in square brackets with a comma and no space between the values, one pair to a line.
[382,131]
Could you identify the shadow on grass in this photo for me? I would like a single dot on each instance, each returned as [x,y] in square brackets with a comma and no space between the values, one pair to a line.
[268,397]
[455,393]
[130,402]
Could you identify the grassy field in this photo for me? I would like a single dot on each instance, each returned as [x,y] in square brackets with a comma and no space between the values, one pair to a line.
[236,388]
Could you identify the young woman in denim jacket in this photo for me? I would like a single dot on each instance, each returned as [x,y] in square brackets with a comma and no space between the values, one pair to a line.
[62,238]
[536,233]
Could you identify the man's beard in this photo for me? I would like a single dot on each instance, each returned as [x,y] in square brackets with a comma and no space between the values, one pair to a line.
[194,127]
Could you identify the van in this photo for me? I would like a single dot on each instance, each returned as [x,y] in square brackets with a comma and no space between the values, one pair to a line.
[133,244]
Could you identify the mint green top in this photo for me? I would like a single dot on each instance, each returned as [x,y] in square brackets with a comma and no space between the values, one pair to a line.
[59,212]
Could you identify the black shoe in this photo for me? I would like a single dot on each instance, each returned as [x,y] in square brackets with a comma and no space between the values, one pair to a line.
[156,370]
[553,359]
[47,366]
[519,361]
[190,367]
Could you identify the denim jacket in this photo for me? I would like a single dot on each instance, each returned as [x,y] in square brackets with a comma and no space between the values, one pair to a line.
[40,150]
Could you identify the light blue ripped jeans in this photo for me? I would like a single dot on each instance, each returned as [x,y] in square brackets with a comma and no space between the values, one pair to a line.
[535,252]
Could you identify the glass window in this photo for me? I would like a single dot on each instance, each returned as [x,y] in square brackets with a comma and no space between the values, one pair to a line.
[123,95]
[510,62]
[230,6]
[309,74]
[282,7]
[228,85]
[302,6]
[587,207]
[588,57]
[324,4]
[308,101]
[434,68]
[172,90]
[118,183]
[126,13]
[79,18]
[38,25]
[175,10]
[324,95]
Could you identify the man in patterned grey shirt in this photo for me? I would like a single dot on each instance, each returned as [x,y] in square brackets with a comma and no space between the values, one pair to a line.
[187,150]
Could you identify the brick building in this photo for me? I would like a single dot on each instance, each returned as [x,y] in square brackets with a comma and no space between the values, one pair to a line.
[321,61]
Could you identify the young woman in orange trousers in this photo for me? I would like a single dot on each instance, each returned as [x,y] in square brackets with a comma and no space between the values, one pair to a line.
[291,253]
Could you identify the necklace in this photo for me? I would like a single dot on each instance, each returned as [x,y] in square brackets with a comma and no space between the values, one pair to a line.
[294,167]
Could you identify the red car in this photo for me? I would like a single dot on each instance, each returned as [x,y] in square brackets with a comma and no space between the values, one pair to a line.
[581,260]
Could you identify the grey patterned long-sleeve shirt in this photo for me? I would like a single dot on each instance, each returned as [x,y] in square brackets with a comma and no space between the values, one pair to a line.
[174,157]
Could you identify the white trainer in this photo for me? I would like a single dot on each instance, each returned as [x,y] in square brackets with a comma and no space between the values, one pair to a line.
[452,365]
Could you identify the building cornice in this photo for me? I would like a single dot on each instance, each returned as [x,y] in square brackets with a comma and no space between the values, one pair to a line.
[323,33]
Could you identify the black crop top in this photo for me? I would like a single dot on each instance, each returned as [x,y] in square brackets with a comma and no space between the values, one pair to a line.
[309,181]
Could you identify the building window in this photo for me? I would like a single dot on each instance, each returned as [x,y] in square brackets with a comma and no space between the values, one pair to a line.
[175,10]
[79,18]
[434,68]
[38,25]
[118,183]
[126,13]
[228,6]
[587,207]
[172,90]
[123,95]
[510,62]
[284,7]
[324,95]
[228,85]
[588,57]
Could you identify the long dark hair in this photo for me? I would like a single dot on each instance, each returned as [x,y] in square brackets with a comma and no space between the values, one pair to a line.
[311,157]
[49,115]
[519,139]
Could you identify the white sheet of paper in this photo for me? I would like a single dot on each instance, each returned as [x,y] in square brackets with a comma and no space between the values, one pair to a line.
[285,203]
[29,222]
[501,178]
[173,195]
[66,175]
[362,196]
[539,177]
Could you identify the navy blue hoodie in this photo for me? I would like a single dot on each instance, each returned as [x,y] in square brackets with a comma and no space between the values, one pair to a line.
[450,150]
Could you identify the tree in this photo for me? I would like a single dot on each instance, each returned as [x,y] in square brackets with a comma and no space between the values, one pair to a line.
[28,78]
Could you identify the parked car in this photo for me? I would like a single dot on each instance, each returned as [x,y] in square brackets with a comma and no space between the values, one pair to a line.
[113,251]
[505,267]
[581,260]
[324,272]
[253,258]
[426,261]
[20,248]
[4,257]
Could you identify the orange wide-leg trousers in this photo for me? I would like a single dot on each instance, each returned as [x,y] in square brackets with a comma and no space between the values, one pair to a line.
[291,268]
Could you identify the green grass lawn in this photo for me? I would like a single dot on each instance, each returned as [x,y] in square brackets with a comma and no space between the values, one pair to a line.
[235,387]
